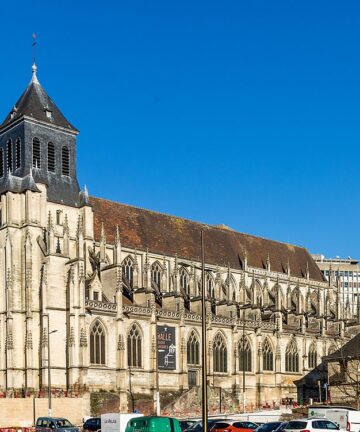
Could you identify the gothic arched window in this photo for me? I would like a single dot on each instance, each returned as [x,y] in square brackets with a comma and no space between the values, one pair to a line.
[193,348]
[65,161]
[219,354]
[156,272]
[18,153]
[292,357]
[9,155]
[1,163]
[128,271]
[36,153]
[268,356]
[97,343]
[312,357]
[184,280]
[51,157]
[244,355]
[134,340]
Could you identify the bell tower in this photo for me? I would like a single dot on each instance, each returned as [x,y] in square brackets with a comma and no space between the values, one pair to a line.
[38,145]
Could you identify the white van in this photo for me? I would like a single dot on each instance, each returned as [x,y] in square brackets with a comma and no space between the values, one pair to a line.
[115,422]
[348,419]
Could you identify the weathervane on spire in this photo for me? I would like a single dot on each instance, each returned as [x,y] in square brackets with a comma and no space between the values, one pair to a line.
[34,47]
[34,67]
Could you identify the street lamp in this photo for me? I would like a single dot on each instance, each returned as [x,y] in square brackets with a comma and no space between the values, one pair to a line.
[204,396]
[243,307]
[203,340]
[130,392]
[357,388]
[49,368]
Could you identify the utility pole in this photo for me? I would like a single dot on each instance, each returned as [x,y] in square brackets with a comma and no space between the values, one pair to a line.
[49,366]
[243,363]
[203,340]
[158,409]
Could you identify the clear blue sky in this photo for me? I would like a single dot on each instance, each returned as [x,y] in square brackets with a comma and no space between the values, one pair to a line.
[238,112]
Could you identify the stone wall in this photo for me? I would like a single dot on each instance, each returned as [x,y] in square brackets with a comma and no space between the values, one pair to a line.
[21,412]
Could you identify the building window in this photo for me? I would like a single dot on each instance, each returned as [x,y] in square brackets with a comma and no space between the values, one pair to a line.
[210,288]
[9,155]
[96,295]
[268,356]
[244,355]
[59,217]
[51,157]
[193,348]
[156,272]
[1,162]
[292,357]
[184,280]
[192,378]
[128,271]
[134,346]
[97,343]
[219,354]
[36,155]
[312,359]
[18,153]
[65,161]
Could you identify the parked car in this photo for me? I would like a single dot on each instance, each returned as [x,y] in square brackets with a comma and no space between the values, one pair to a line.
[234,426]
[186,424]
[271,427]
[56,423]
[152,423]
[197,427]
[347,418]
[92,424]
[310,425]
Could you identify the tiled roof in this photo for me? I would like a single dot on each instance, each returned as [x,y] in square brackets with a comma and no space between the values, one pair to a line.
[169,235]
[34,102]
[350,350]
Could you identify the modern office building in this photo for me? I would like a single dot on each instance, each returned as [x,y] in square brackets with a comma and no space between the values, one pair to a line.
[345,272]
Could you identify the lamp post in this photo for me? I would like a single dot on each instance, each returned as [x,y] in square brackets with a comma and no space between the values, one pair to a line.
[243,364]
[130,391]
[243,359]
[357,388]
[49,367]
[158,407]
[204,396]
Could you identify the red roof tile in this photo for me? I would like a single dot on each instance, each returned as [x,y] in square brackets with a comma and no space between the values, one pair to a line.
[169,235]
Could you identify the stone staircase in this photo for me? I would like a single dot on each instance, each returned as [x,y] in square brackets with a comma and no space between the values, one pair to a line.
[189,403]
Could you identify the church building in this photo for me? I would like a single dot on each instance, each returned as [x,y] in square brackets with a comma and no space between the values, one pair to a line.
[113,292]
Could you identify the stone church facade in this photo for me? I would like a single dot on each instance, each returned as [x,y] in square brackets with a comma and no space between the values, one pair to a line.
[92,281]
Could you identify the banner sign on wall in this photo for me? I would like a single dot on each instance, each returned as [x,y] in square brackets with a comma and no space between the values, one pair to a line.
[166,346]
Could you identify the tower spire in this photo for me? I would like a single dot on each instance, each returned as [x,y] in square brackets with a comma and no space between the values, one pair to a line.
[34,77]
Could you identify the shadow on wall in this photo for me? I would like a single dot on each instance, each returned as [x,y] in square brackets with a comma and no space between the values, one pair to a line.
[312,386]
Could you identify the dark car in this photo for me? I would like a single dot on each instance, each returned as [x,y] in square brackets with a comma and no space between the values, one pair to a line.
[197,427]
[186,424]
[270,427]
[92,424]
[59,424]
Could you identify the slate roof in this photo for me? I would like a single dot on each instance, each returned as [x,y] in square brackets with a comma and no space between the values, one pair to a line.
[18,184]
[34,102]
[350,350]
[169,235]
